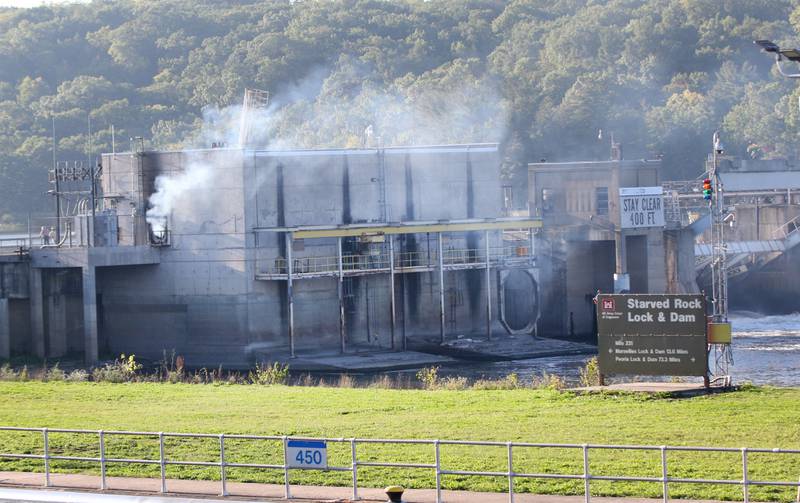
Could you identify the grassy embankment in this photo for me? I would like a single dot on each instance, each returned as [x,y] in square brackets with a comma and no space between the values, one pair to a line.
[756,417]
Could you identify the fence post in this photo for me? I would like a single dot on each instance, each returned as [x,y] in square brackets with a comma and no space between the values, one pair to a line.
[222,464]
[664,479]
[355,468]
[586,485]
[286,490]
[510,472]
[438,471]
[102,460]
[162,462]
[46,457]
[745,478]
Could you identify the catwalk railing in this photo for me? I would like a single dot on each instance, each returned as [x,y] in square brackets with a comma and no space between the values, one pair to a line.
[458,258]
[223,462]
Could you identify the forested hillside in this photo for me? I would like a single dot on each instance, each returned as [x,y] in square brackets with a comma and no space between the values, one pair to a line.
[541,76]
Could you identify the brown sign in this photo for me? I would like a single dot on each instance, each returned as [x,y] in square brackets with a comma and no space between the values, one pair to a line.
[652,334]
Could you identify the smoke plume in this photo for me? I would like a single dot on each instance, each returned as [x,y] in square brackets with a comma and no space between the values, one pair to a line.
[346,108]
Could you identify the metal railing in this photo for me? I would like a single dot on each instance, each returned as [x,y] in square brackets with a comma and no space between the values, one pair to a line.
[785,230]
[380,262]
[224,464]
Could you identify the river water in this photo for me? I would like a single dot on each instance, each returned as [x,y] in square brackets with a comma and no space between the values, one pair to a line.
[766,350]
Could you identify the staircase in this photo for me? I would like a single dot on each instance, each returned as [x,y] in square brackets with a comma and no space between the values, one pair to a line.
[745,256]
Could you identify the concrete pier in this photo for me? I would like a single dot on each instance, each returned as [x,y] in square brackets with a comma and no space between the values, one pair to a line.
[91,347]
[5,329]
[38,346]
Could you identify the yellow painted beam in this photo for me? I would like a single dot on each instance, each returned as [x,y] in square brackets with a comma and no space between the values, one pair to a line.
[417,229]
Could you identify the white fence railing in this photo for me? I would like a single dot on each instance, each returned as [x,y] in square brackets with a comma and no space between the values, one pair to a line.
[223,464]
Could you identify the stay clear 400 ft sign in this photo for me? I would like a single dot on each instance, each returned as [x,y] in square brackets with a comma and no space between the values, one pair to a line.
[652,334]
[641,207]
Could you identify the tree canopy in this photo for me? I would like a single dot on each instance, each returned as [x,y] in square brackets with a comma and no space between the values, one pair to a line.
[542,77]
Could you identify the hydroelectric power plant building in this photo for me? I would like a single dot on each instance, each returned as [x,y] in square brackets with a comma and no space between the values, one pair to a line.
[269,254]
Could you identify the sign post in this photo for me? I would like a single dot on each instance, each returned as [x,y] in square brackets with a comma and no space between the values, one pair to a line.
[652,334]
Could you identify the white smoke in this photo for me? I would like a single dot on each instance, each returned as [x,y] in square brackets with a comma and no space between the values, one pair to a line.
[171,189]
[336,108]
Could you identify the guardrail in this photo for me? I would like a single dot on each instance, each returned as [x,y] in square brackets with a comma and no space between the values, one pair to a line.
[436,465]
[380,262]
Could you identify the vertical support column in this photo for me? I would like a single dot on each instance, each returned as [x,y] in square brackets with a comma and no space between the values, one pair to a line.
[510,447]
[5,329]
[621,278]
[441,289]
[56,303]
[103,485]
[438,466]
[289,292]
[746,478]
[392,304]
[37,313]
[90,344]
[354,465]
[162,461]
[222,471]
[532,256]
[488,289]
[340,290]
[587,493]
[287,491]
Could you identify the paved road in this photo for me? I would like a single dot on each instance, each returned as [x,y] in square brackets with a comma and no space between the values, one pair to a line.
[73,488]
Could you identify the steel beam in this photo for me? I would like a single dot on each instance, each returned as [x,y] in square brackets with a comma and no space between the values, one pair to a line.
[392,304]
[441,289]
[289,292]
[488,290]
[406,228]
[341,294]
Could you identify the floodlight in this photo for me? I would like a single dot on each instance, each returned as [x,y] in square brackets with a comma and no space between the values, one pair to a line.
[767,45]
[790,54]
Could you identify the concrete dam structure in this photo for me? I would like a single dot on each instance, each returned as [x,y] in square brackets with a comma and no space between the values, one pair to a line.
[263,255]
[236,256]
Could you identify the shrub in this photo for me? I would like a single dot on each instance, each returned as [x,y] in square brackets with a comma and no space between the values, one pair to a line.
[453,383]
[7,373]
[54,374]
[171,368]
[78,375]
[511,381]
[383,382]
[429,377]
[123,369]
[306,380]
[345,381]
[266,374]
[590,373]
[548,381]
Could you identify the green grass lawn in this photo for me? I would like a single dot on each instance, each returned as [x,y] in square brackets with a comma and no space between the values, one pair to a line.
[757,417]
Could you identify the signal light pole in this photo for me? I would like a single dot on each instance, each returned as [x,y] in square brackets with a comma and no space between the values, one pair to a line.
[723,356]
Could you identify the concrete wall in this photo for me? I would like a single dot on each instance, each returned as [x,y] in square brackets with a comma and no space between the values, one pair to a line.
[14,310]
[203,300]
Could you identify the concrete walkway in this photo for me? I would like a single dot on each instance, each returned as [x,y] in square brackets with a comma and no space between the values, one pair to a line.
[69,488]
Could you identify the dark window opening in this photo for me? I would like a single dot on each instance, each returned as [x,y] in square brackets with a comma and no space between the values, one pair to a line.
[601,197]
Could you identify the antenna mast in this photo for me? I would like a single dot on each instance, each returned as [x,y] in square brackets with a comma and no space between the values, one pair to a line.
[254,99]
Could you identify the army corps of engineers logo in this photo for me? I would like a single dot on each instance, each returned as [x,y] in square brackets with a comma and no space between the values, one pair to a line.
[607,304]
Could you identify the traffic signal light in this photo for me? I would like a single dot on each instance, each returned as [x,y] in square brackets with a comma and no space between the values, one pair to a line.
[707,190]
